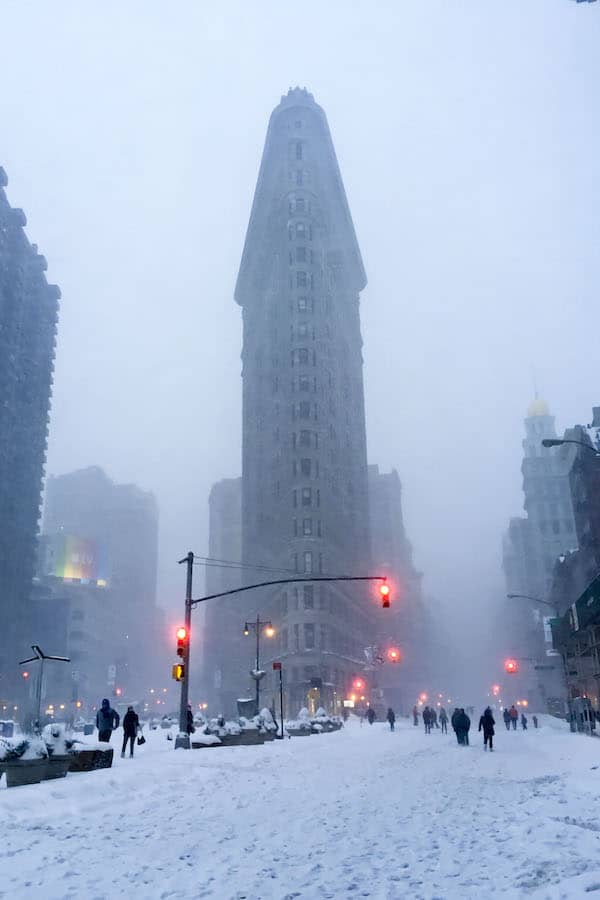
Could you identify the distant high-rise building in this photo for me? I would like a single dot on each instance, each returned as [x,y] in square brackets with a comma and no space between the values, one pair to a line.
[108,533]
[533,543]
[218,640]
[405,626]
[304,466]
[28,318]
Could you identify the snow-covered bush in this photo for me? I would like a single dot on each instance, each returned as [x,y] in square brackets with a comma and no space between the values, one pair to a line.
[221,727]
[22,748]
[265,721]
[56,740]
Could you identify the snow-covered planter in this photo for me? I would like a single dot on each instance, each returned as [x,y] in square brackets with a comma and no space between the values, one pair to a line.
[89,757]
[266,725]
[301,726]
[60,748]
[23,760]
[201,740]
[327,723]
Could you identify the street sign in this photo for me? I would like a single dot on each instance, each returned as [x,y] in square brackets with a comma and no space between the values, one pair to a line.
[277,666]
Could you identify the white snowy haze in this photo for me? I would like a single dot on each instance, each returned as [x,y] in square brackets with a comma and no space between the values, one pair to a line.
[468,138]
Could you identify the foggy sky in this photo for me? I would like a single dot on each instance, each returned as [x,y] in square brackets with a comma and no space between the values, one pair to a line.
[468,140]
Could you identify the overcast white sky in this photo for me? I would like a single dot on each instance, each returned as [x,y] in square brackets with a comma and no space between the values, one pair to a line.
[469,142]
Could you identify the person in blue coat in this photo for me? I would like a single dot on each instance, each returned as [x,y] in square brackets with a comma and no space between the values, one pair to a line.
[107,719]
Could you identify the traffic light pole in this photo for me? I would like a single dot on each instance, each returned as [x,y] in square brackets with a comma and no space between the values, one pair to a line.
[183,739]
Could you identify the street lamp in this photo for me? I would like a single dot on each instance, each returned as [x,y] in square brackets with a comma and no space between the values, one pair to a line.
[558,442]
[258,626]
[534,599]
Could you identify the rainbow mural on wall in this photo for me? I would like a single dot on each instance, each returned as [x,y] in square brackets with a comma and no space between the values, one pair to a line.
[73,557]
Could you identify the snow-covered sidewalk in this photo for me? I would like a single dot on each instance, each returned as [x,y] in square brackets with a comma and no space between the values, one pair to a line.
[362,812]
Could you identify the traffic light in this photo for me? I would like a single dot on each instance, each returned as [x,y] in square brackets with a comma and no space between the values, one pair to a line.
[182,641]
[178,672]
[358,684]
[511,666]
[393,655]
[384,593]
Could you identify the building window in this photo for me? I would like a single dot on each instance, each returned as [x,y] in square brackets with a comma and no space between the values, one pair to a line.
[299,177]
[302,330]
[555,527]
[305,438]
[303,356]
[305,467]
[309,597]
[296,637]
[300,255]
[306,496]
[300,230]
[284,603]
[304,409]
[298,149]
[284,638]
[295,526]
[304,383]
[296,601]
[301,279]
[307,558]
[307,527]
[300,205]
[309,636]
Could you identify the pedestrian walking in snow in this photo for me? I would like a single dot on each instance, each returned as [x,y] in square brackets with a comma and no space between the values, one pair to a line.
[454,720]
[486,724]
[106,721]
[444,720]
[371,715]
[463,724]
[189,720]
[391,717]
[514,716]
[523,721]
[535,721]
[131,723]
[506,717]
[427,720]
[415,715]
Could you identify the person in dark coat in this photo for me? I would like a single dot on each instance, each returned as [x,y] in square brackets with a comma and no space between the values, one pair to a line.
[391,717]
[463,723]
[427,720]
[454,720]
[131,723]
[486,724]
[444,720]
[535,721]
[506,717]
[523,721]
[371,715]
[415,716]
[106,721]
[189,720]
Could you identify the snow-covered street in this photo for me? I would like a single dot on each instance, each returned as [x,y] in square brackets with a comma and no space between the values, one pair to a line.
[363,812]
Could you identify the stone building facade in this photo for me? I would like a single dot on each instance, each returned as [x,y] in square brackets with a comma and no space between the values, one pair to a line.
[304,466]
[531,547]
[28,321]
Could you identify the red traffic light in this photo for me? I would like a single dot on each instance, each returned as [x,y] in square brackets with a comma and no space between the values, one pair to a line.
[393,655]
[25,674]
[511,666]
[358,684]
[182,640]
[384,593]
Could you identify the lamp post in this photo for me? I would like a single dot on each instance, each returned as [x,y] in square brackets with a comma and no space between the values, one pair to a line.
[558,442]
[258,627]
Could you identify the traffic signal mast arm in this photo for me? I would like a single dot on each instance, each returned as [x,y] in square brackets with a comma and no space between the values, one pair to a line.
[261,584]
